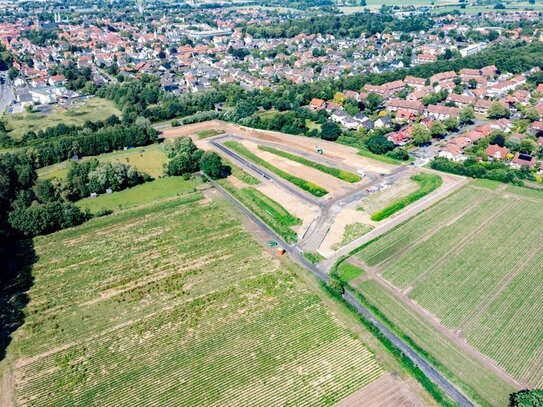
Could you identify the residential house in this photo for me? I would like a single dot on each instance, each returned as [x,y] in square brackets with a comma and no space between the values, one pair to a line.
[382,122]
[411,106]
[452,152]
[482,106]
[461,100]
[439,112]
[523,161]
[496,152]
[317,104]
[537,127]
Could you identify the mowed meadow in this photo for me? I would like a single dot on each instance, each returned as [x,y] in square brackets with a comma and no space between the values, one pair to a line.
[473,262]
[175,304]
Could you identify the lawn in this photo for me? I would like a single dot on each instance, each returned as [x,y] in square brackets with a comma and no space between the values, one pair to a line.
[382,158]
[474,261]
[176,304]
[92,109]
[343,175]
[427,183]
[149,159]
[310,187]
[142,194]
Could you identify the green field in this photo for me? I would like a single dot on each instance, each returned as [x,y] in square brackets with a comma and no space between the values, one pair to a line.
[427,183]
[141,194]
[149,159]
[343,175]
[92,109]
[382,158]
[176,304]
[473,262]
[310,187]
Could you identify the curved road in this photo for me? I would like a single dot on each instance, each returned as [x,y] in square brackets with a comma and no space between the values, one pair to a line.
[443,383]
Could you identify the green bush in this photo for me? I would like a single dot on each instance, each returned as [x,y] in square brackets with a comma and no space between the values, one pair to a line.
[310,187]
[335,172]
[427,182]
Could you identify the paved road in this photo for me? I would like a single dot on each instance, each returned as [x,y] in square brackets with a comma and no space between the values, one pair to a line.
[296,255]
[267,175]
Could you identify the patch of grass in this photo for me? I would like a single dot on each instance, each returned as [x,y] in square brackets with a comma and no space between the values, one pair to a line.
[92,109]
[142,194]
[351,233]
[310,187]
[311,125]
[378,157]
[313,258]
[335,172]
[427,182]
[149,159]
[348,272]
[269,211]
[202,134]
[240,174]
[487,183]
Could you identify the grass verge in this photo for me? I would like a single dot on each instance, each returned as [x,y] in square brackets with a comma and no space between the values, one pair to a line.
[310,187]
[269,211]
[427,182]
[240,174]
[313,258]
[335,172]
[383,158]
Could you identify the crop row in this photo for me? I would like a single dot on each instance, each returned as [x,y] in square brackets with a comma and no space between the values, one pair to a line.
[335,172]
[310,187]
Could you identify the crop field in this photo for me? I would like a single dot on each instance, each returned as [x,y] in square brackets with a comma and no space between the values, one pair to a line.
[174,303]
[308,186]
[473,263]
[92,109]
[149,159]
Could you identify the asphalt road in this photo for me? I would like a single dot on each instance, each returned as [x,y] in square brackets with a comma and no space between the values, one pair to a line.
[265,174]
[444,384]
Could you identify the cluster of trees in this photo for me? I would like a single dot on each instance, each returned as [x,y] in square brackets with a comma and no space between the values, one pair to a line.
[495,170]
[526,398]
[186,158]
[91,176]
[342,25]
[41,37]
[29,206]
[76,78]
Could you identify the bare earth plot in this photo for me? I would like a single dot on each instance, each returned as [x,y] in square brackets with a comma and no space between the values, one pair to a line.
[472,266]
[175,303]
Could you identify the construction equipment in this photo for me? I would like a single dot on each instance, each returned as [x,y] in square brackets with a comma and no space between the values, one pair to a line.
[320,150]
[271,243]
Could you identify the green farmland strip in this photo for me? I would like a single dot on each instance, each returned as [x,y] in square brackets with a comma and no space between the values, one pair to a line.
[427,183]
[240,174]
[310,187]
[335,172]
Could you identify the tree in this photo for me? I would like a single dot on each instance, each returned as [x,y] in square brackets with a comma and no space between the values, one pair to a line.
[438,129]
[211,164]
[451,123]
[466,115]
[373,102]
[526,398]
[244,108]
[378,144]
[532,115]
[421,135]
[330,131]
[472,83]
[497,137]
[528,146]
[497,111]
